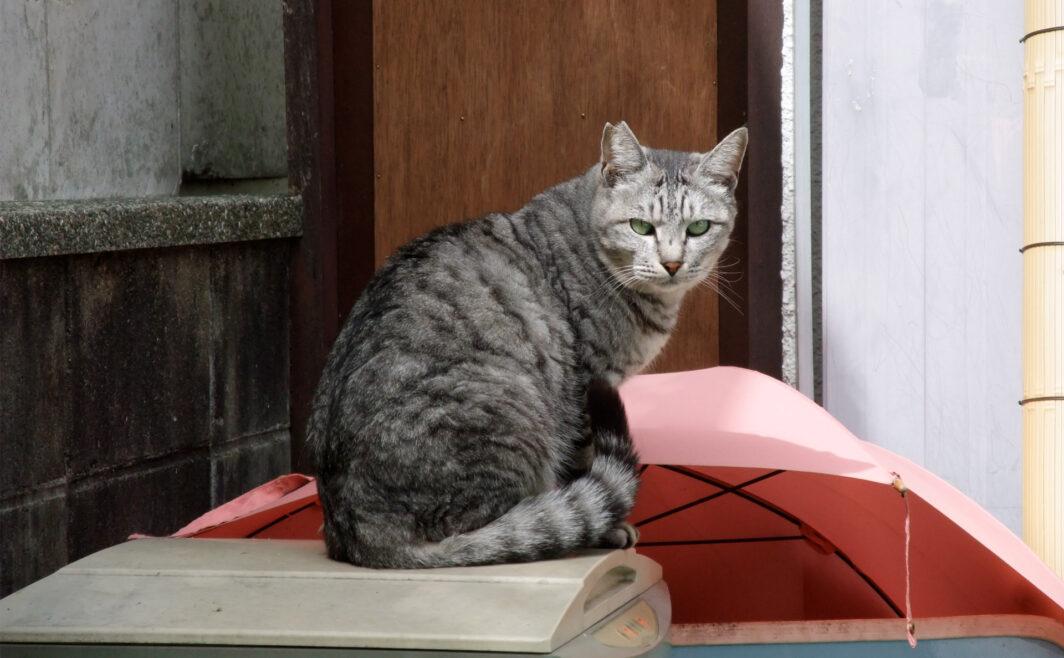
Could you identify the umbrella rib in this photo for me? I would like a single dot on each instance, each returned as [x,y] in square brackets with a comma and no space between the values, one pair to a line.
[871,583]
[725,489]
[282,518]
[742,494]
[768,506]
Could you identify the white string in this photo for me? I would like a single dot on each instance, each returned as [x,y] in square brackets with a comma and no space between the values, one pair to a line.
[910,629]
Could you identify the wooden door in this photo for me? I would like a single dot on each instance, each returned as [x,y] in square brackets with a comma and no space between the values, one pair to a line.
[480,105]
[556,68]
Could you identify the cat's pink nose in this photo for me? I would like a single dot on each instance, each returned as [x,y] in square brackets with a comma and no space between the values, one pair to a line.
[672,266]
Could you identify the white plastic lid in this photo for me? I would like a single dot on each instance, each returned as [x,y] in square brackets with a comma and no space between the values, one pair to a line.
[288,593]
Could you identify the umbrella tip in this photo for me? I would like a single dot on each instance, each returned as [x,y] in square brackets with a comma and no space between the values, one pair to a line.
[899,485]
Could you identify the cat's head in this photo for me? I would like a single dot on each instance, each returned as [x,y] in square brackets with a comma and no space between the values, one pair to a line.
[661,219]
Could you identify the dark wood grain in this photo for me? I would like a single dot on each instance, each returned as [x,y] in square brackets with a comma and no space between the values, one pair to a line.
[311,174]
[479,105]
[353,93]
[764,249]
[734,339]
[751,335]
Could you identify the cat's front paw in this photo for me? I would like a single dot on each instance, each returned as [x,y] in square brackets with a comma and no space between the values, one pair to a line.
[623,535]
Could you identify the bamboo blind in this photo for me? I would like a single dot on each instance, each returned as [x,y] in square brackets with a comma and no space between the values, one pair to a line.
[1043,282]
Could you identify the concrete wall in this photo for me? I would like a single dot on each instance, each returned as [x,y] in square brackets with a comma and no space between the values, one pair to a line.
[118,98]
[138,386]
[232,89]
[921,225]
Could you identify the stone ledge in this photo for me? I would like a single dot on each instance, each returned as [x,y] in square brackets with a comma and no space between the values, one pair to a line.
[54,228]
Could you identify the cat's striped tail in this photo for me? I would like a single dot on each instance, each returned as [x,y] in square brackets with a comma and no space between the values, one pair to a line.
[587,512]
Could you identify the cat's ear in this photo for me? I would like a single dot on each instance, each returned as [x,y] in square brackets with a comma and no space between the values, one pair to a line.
[621,154]
[721,165]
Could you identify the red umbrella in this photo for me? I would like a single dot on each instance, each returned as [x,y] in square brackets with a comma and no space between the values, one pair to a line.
[762,507]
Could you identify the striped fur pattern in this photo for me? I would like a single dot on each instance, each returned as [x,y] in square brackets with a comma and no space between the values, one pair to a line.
[467,413]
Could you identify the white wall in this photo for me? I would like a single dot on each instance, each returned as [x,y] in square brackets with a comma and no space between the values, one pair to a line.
[921,226]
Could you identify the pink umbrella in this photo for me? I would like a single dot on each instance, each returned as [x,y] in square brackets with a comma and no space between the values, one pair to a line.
[766,513]
[760,506]
[284,508]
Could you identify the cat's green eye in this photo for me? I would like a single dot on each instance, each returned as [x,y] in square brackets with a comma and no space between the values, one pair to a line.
[698,228]
[641,227]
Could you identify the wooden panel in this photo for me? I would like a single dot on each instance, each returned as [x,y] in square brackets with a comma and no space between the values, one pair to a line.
[764,176]
[731,110]
[311,174]
[480,105]
[352,92]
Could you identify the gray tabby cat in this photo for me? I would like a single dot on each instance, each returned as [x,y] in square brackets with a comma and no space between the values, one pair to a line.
[467,413]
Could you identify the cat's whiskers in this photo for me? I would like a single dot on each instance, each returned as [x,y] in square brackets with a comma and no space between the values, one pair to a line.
[613,287]
[717,281]
[618,279]
[613,284]
[720,286]
[723,271]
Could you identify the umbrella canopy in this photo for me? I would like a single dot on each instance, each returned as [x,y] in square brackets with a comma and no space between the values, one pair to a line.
[761,506]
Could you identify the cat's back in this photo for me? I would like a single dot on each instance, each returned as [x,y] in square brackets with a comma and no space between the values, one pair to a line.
[457,317]
[451,275]
[475,273]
